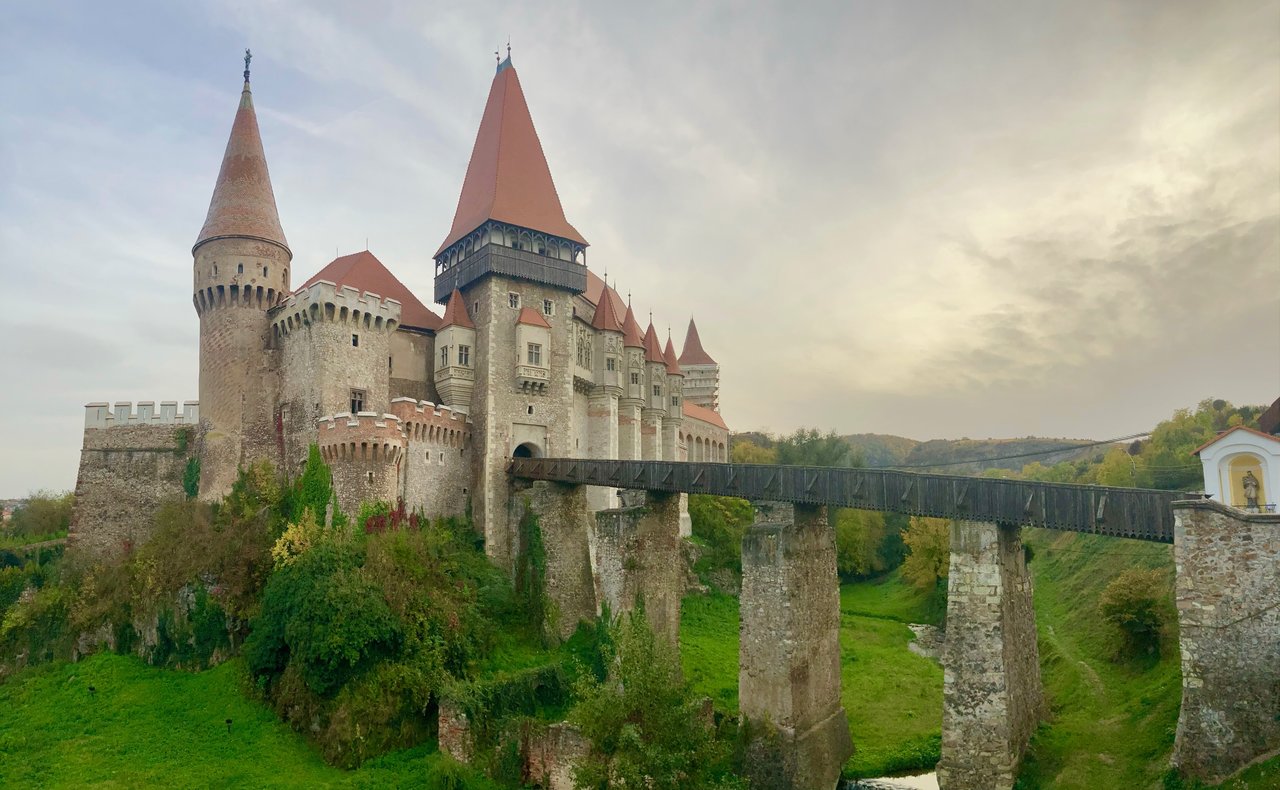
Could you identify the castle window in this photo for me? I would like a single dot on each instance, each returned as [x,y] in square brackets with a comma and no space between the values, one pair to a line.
[464,356]
[355,341]
[529,409]
[357,401]
[215,270]
[389,367]
[240,268]
[444,356]
[548,307]
[264,271]
[657,391]
[608,363]
[513,301]
[475,308]
[635,378]
[535,354]
[675,400]
[369,476]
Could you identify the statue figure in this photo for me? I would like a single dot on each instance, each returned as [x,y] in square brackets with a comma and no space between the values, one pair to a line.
[1251,485]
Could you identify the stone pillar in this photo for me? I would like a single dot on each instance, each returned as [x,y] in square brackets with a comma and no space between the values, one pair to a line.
[638,555]
[992,698]
[602,441]
[565,521]
[629,429]
[1228,595]
[789,657]
[651,435]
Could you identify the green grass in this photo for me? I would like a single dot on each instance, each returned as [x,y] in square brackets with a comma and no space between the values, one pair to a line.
[893,697]
[1112,721]
[17,541]
[147,727]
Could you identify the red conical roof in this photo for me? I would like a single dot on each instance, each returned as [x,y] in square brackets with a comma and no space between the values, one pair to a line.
[243,202]
[508,179]
[631,331]
[605,318]
[693,353]
[364,272]
[669,357]
[531,317]
[455,313]
[652,351]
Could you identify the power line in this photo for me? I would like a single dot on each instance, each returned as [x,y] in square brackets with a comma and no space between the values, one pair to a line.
[1068,448]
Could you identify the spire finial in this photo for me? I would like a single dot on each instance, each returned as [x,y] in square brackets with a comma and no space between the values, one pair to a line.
[508,47]
[248,56]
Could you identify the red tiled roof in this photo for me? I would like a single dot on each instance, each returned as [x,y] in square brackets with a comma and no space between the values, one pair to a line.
[631,331]
[605,317]
[669,356]
[1230,431]
[695,412]
[455,313]
[532,317]
[243,202]
[693,353]
[507,178]
[652,351]
[363,271]
[597,286]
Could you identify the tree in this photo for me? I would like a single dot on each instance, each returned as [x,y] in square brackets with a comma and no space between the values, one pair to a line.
[745,451]
[44,513]
[808,447]
[643,721]
[1132,603]
[929,557]
[859,536]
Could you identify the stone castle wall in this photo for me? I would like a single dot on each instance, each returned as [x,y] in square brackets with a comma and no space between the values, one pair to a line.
[131,463]
[411,366]
[1228,597]
[438,457]
[364,452]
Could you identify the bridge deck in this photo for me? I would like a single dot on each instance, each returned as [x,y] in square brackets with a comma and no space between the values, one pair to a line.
[1137,513]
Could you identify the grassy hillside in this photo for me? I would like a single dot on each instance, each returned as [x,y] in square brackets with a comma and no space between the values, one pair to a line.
[880,449]
[1051,451]
[146,727]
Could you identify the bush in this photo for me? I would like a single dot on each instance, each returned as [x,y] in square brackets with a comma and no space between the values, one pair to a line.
[45,513]
[1133,603]
[719,523]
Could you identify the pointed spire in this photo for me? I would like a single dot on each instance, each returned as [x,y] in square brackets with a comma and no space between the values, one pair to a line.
[652,351]
[669,357]
[693,353]
[455,313]
[243,203]
[605,317]
[630,329]
[508,179]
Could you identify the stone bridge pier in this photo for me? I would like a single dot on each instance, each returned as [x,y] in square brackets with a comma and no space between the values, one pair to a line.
[789,652]
[1228,597]
[992,697]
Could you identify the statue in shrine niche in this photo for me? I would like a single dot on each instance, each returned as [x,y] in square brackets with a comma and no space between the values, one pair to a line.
[1250,484]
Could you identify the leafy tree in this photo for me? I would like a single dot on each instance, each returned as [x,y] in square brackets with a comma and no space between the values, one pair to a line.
[643,722]
[809,447]
[1133,603]
[745,451]
[719,522]
[929,551]
[44,513]
[859,537]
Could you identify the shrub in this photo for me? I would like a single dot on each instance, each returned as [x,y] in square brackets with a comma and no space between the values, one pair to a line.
[1133,603]
[719,522]
[44,513]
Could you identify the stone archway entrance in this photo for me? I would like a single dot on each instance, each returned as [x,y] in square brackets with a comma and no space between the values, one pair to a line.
[527,450]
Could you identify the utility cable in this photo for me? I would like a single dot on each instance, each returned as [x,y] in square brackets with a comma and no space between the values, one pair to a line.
[1070,448]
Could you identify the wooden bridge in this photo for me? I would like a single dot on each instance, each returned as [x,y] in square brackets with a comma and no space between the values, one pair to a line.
[1138,513]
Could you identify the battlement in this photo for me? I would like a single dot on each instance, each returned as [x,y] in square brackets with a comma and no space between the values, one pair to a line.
[364,436]
[425,421]
[325,301]
[103,415]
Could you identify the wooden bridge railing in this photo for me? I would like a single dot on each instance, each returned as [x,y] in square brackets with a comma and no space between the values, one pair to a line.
[1137,513]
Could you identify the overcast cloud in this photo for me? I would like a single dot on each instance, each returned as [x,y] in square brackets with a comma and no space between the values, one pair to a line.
[929,219]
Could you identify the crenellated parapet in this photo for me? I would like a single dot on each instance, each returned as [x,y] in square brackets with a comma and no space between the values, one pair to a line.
[324,301]
[364,452]
[427,422]
[103,415]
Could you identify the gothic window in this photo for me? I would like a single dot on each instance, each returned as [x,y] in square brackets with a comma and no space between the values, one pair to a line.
[513,301]
[357,401]
[444,356]
[535,354]
[264,271]
[464,356]
[548,307]
[240,268]
[355,341]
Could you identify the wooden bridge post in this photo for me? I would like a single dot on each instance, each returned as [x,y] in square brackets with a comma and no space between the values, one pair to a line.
[992,698]
[789,657]
[1228,596]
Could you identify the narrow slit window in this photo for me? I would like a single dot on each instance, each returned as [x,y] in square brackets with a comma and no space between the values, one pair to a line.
[355,341]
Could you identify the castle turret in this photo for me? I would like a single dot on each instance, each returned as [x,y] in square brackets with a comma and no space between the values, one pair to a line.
[701,372]
[455,375]
[633,388]
[675,410]
[655,368]
[517,263]
[241,270]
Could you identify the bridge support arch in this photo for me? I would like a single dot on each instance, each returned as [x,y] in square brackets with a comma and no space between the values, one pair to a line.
[992,697]
[789,651]
[1228,597]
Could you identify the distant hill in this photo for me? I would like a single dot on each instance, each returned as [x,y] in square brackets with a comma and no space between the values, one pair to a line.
[1047,451]
[880,449]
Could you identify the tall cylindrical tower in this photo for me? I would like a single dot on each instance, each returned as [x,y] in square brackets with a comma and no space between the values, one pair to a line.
[241,270]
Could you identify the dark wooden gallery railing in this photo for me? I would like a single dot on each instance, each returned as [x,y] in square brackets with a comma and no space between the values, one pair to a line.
[1119,512]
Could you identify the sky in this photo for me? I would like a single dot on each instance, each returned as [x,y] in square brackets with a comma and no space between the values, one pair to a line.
[929,219]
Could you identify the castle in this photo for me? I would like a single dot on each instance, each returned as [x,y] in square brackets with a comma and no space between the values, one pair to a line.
[534,355]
